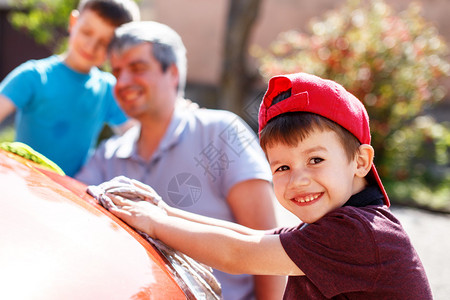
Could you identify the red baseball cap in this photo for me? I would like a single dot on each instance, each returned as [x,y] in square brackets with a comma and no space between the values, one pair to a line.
[323,97]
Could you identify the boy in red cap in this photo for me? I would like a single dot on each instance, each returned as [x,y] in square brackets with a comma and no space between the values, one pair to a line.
[349,246]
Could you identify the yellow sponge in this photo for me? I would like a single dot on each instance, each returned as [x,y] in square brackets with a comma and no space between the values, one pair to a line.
[27,152]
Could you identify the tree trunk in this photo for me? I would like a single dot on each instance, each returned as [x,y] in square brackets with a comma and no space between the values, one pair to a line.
[237,81]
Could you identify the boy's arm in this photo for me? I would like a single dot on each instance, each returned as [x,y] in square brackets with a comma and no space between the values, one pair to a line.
[216,246]
[179,213]
[7,107]
[245,190]
[252,203]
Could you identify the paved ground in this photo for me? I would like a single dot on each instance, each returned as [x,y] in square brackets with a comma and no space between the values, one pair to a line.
[430,235]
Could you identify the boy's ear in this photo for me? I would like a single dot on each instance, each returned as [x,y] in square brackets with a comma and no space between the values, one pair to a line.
[364,160]
[73,18]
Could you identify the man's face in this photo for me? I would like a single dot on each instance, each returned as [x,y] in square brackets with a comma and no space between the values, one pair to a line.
[314,177]
[88,41]
[142,88]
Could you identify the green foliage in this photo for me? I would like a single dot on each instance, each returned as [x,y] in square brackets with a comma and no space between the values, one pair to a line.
[46,20]
[418,157]
[391,62]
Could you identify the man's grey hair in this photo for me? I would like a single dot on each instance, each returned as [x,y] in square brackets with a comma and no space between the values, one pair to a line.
[168,48]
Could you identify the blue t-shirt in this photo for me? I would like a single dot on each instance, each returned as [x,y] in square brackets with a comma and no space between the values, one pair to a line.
[60,112]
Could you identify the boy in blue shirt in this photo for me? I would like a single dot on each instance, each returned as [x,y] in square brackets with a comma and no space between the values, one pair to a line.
[62,102]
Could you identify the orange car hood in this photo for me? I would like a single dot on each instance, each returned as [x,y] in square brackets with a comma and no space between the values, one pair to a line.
[56,245]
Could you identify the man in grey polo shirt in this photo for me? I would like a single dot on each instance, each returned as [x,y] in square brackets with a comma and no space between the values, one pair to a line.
[203,161]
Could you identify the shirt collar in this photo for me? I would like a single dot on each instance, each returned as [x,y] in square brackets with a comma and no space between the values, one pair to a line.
[128,142]
[173,135]
[371,195]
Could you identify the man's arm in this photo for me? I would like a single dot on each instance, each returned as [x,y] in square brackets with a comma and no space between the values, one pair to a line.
[252,203]
[7,107]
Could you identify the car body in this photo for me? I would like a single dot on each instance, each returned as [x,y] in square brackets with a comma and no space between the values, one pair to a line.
[57,242]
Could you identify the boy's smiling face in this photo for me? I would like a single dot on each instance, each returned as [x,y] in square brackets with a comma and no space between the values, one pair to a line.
[314,177]
[89,38]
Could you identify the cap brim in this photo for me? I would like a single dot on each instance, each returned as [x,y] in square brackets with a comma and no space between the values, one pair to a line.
[380,184]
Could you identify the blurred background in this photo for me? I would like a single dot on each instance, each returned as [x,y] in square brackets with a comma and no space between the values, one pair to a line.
[393,55]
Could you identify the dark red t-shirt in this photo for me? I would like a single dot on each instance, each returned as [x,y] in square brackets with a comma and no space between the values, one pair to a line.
[354,253]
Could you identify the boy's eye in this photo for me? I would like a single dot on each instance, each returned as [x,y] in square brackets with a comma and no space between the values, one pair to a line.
[315,160]
[282,168]
[86,31]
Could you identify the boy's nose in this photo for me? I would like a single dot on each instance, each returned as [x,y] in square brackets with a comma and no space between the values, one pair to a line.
[92,45]
[299,178]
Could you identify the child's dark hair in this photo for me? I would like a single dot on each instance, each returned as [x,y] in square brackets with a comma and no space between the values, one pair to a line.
[115,12]
[292,127]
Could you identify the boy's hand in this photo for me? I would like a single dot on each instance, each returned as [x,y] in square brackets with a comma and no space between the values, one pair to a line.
[151,195]
[141,215]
